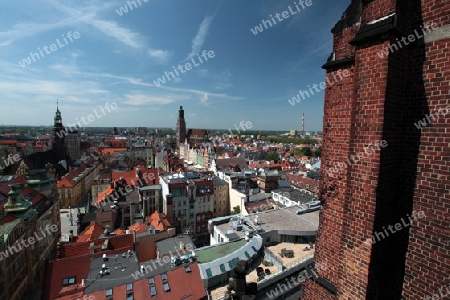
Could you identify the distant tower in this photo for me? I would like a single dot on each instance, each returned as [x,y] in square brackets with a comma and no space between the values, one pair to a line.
[181,127]
[303,125]
[59,147]
[59,135]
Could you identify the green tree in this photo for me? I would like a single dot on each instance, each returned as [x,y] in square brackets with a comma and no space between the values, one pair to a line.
[317,152]
[236,210]
[273,156]
[303,151]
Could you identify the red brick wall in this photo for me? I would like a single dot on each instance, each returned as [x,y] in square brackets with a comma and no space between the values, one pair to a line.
[382,101]
[428,258]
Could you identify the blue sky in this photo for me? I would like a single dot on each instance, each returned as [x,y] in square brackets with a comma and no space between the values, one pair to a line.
[117,58]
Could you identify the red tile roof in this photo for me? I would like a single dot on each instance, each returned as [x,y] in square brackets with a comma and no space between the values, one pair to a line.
[92,232]
[120,232]
[159,221]
[57,270]
[111,151]
[182,286]
[150,177]
[303,182]
[77,266]
[8,142]
[138,227]
[68,180]
[82,248]
[102,195]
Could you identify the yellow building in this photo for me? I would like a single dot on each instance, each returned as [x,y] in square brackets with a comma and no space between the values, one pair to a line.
[74,186]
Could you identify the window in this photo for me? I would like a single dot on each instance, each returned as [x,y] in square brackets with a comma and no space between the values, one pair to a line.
[129,287]
[166,287]
[69,280]
[163,276]
[232,263]
[152,291]
[151,280]
[130,297]
[109,292]
[222,268]
[208,272]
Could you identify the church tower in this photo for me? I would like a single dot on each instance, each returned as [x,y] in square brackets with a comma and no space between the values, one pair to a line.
[58,136]
[181,127]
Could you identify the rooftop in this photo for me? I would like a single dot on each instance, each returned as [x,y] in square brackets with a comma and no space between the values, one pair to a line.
[181,243]
[284,220]
[214,252]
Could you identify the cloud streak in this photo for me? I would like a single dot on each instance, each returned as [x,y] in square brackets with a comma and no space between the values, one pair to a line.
[199,39]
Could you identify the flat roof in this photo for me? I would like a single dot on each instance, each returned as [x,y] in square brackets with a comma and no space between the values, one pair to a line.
[284,220]
[150,187]
[172,245]
[214,252]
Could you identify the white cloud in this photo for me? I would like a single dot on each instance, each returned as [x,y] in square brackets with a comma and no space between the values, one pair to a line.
[112,29]
[199,39]
[140,82]
[5,43]
[86,15]
[148,99]
[159,55]
[205,100]
[223,85]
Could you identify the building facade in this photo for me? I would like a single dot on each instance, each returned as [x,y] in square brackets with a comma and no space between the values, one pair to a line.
[73,144]
[73,187]
[221,198]
[29,232]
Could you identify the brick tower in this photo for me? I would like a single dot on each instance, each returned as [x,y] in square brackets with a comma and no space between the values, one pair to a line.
[384,226]
[181,127]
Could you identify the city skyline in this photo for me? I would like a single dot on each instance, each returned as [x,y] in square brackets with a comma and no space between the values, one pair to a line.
[107,56]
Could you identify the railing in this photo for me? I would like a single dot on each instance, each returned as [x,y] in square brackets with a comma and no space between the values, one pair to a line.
[288,268]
